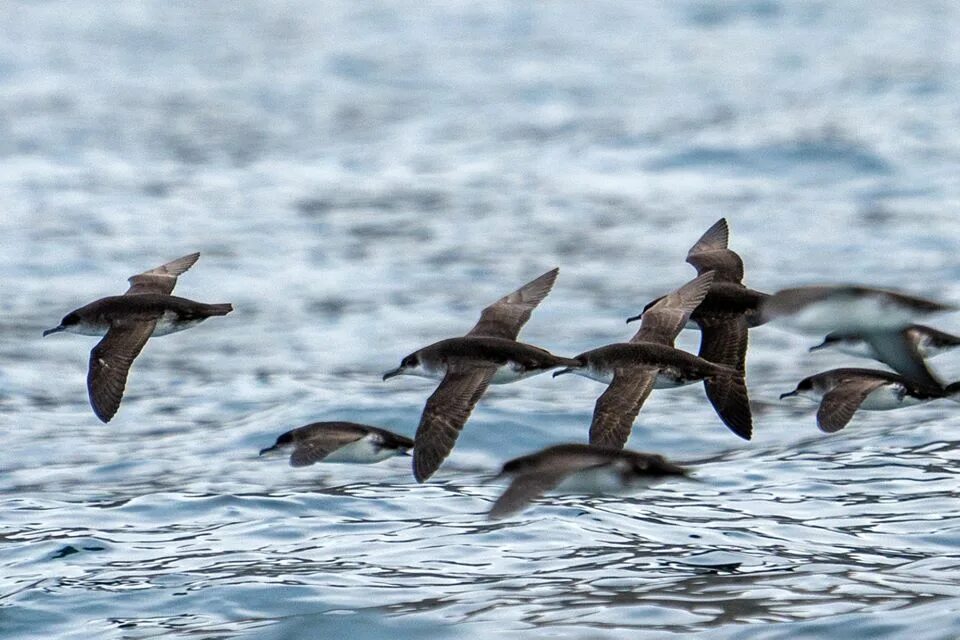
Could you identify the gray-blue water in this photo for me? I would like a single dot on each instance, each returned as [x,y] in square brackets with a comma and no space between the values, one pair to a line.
[361,180]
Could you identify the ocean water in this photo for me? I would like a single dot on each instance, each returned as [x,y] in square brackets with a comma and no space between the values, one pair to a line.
[361,179]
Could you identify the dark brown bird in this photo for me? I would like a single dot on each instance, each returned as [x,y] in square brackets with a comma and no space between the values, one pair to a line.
[878,317]
[340,442]
[728,310]
[488,354]
[929,343]
[145,310]
[632,370]
[841,392]
[578,468]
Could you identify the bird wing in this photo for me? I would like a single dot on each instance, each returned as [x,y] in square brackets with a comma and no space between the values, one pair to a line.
[317,445]
[523,489]
[714,238]
[895,349]
[723,340]
[711,253]
[840,403]
[444,415]
[728,395]
[161,279]
[618,406]
[110,363]
[663,321]
[505,317]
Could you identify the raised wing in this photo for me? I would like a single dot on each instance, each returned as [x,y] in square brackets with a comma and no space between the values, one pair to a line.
[618,406]
[162,279]
[840,403]
[110,363]
[505,317]
[444,415]
[711,253]
[664,320]
[897,350]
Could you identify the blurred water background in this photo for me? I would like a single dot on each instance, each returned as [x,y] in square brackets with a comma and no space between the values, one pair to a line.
[361,179]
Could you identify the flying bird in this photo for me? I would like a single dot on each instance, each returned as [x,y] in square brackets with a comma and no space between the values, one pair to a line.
[929,343]
[126,322]
[633,369]
[488,354]
[841,392]
[578,468]
[728,310]
[878,317]
[339,442]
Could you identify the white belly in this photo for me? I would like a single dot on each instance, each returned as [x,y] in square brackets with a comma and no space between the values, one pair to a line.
[168,324]
[593,374]
[662,381]
[602,480]
[887,397]
[363,451]
[861,349]
[88,329]
[511,372]
[858,349]
[591,481]
[668,382]
[848,315]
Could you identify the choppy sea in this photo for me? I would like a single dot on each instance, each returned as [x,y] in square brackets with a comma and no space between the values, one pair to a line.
[361,179]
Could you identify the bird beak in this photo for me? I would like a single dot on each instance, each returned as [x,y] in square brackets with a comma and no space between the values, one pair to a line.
[56,329]
[560,372]
[822,345]
[636,317]
[788,394]
[268,450]
[392,373]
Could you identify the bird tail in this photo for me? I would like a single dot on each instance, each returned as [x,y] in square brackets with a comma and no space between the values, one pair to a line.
[219,309]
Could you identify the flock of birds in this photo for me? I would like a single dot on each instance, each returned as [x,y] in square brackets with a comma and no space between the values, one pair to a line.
[863,321]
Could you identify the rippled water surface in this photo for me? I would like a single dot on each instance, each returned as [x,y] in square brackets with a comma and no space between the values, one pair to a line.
[362,179]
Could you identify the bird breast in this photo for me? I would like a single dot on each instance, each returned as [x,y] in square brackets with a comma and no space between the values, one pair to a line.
[889,396]
[848,314]
[365,450]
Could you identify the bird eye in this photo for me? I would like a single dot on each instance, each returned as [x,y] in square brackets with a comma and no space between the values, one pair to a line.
[409,361]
